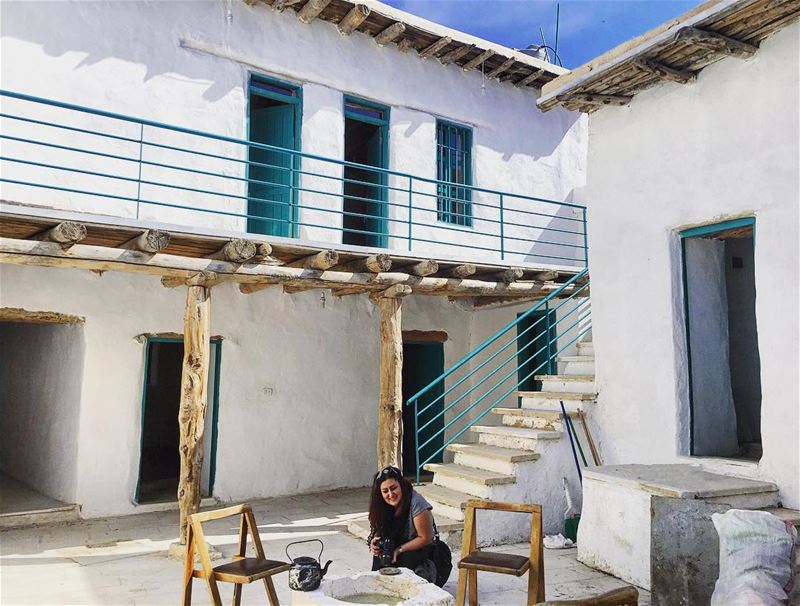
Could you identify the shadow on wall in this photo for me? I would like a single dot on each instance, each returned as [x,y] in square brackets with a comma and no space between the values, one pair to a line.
[562,239]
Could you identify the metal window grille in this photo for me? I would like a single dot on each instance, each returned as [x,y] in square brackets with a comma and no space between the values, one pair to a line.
[454,171]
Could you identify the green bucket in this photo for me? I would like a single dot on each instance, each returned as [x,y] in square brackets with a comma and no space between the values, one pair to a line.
[571,528]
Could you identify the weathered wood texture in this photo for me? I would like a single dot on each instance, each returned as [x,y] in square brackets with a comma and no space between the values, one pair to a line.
[237,250]
[17,314]
[353,19]
[65,233]
[372,263]
[149,241]
[390,402]
[194,399]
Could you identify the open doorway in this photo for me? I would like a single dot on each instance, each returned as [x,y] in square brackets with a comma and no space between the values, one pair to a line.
[724,365]
[536,336]
[274,120]
[41,378]
[423,361]
[159,461]
[366,128]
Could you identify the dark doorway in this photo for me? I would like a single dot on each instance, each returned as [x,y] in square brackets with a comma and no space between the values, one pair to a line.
[536,336]
[365,143]
[159,463]
[272,173]
[422,363]
[724,362]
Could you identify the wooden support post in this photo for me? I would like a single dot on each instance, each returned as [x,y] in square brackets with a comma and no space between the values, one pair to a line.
[373,263]
[390,402]
[395,30]
[149,241]
[237,250]
[320,261]
[194,397]
[312,9]
[66,233]
[353,19]
[476,61]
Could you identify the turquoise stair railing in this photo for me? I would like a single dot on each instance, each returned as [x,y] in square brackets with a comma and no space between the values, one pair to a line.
[497,368]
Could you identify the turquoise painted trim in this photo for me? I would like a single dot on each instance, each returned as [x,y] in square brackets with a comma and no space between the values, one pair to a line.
[444,173]
[705,230]
[212,472]
[296,168]
[351,115]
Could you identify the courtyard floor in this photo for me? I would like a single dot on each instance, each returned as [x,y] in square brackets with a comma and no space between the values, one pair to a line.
[124,560]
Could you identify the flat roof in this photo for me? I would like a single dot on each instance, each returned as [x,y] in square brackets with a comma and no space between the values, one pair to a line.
[676,50]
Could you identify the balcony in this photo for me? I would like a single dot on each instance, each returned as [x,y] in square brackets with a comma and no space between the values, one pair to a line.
[80,159]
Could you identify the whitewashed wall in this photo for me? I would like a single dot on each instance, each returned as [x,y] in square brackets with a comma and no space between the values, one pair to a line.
[41,377]
[678,156]
[298,381]
[184,63]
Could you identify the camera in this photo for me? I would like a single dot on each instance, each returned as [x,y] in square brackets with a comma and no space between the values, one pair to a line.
[385,551]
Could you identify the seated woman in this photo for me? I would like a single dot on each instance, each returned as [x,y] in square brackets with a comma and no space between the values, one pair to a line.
[399,513]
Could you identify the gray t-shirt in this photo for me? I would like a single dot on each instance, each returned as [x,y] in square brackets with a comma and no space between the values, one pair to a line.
[417,506]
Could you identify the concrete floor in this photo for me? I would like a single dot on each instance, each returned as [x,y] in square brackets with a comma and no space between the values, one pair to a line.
[16,496]
[123,560]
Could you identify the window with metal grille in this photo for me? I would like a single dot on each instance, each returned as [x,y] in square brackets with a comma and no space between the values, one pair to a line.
[454,171]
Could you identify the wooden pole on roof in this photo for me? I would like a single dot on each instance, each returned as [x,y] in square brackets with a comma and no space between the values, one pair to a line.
[194,396]
[390,402]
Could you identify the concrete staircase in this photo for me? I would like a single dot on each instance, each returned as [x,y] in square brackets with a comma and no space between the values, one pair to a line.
[521,459]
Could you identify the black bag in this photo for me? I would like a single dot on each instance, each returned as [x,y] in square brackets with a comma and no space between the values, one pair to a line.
[442,559]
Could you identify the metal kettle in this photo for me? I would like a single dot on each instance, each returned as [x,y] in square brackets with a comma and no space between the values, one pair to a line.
[306,572]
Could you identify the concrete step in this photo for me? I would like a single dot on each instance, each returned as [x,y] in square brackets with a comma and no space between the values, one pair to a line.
[37,517]
[531,418]
[520,438]
[567,383]
[586,348]
[469,474]
[491,458]
[549,400]
[445,501]
[576,365]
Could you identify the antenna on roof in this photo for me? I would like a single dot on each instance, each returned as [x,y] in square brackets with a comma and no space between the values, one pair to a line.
[544,45]
[558,18]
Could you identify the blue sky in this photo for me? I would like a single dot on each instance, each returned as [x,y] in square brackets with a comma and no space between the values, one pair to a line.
[587,29]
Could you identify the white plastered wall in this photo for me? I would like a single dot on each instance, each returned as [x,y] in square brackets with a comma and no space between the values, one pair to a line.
[184,63]
[40,397]
[678,156]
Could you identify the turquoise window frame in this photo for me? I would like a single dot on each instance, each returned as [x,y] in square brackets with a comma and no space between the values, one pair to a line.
[696,232]
[453,202]
[217,362]
[268,90]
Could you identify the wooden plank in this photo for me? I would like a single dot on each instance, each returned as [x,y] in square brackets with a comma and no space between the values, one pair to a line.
[390,33]
[433,49]
[717,42]
[390,400]
[476,61]
[355,17]
[248,289]
[17,314]
[592,99]
[425,336]
[194,399]
[529,78]
[311,10]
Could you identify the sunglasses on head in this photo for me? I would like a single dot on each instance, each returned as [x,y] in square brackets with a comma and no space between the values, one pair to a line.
[388,472]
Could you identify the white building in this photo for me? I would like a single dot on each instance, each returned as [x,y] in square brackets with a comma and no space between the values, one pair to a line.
[148,108]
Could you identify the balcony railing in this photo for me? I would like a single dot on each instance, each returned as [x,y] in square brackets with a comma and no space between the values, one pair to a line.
[70,156]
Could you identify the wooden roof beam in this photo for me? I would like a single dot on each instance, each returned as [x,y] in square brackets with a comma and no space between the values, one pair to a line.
[311,10]
[389,34]
[282,5]
[456,54]
[236,250]
[716,42]
[648,66]
[65,233]
[501,68]
[433,49]
[476,61]
[529,78]
[397,291]
[593,99]
[248,288]
[459,271]
[512,274]
[350,22]
[373,263]
[406,44]
[149,241]
[421,268]
[320,261]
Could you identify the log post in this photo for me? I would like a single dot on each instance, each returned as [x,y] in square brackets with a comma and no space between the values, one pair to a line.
[194,397]
[390,403]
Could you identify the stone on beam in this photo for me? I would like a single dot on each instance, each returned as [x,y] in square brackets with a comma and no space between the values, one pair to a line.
[716,42]
[65,233]
[237,250]
[320,261]
[390,33]
[355,17]
[660,70]
[149,241]
[311,10]
[433,49]
[475,62]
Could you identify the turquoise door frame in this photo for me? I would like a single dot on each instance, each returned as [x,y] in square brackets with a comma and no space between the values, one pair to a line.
[274,117]
[217,363]
[368,200]
[695,232]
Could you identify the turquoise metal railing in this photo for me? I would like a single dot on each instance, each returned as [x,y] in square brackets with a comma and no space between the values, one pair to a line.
[499,367]
[127,166]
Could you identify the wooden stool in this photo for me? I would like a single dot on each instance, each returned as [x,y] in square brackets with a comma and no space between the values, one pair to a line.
[241,570]
[625,596]
[473,560]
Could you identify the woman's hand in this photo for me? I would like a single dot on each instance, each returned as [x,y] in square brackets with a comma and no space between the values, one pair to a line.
[395,555]
[373,546]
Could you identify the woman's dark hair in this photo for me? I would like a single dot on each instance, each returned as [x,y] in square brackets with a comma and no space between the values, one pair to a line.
[380,512]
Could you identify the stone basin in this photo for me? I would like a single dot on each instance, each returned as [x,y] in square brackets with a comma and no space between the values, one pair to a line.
[404,589]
